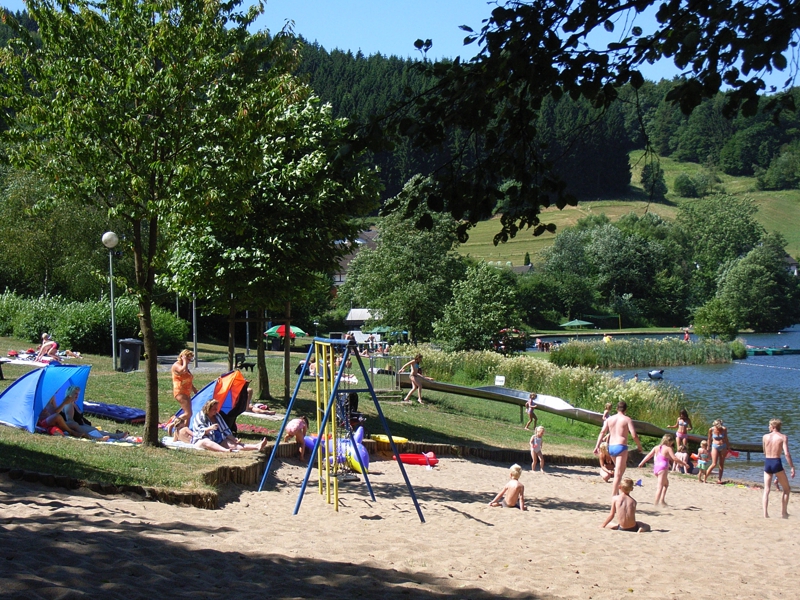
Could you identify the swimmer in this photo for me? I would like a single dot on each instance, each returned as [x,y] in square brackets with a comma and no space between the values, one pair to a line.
[623,507]
[618,427]
[662,454]
[774,444]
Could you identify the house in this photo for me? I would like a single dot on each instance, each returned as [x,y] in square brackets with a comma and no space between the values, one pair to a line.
[791,265]
[366,239]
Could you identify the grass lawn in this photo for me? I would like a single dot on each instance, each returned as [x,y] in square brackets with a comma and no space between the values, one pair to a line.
[443,419]
[778,211]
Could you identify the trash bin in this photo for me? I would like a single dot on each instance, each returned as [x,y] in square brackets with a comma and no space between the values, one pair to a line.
[130,349]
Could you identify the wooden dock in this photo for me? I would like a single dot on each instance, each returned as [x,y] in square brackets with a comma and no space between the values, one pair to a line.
[771,351]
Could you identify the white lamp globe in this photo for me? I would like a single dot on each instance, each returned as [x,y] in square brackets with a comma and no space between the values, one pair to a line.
[110,239]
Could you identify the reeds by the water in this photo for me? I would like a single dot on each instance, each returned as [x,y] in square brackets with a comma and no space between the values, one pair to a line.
[645,353]
[582,386]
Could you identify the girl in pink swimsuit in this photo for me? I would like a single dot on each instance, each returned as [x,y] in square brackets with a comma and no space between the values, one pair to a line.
[662,455]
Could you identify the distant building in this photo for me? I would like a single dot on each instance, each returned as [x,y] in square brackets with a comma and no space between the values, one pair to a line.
[366,239]
[791,265]
[357,317]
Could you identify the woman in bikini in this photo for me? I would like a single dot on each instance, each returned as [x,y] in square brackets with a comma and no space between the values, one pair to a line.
[718,441]
[183,382]
[662,455]
[416,378]
[684,426]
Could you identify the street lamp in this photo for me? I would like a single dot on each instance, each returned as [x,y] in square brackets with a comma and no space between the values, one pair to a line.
[315,328]
[110,241]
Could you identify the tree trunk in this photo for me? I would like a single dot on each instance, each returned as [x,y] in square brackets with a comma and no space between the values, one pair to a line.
[145,280]
[287,355]
[231,332]
[263,374]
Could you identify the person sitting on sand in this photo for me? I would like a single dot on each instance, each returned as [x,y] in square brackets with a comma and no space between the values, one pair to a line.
[623,507]
[297,429]
[536,449]
[606,463]
[617,428]
[513,493]
[662,455]
[774,444]
[210,432]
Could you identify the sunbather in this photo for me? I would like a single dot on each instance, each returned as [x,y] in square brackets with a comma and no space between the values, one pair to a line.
[210,432]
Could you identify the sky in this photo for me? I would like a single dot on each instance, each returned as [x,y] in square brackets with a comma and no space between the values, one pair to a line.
[390,27]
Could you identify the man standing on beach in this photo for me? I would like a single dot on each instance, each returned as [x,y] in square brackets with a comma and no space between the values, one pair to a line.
[774,443]
[618,427]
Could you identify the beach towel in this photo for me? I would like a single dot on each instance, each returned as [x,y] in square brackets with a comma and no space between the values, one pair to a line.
[115,412]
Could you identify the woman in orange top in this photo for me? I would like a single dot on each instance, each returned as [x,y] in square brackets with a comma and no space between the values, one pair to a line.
[183,382]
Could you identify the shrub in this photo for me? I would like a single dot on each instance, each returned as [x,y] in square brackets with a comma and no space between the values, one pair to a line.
[641,353]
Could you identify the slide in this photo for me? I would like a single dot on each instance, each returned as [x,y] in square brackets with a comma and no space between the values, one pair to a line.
[553,405]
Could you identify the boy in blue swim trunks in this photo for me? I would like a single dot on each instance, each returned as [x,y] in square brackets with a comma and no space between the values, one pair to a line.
[774,444]
[618,427]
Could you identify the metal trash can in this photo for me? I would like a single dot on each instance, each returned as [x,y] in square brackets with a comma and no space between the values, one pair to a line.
[130,350]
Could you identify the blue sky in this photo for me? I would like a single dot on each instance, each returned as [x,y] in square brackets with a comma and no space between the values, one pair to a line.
[390,27]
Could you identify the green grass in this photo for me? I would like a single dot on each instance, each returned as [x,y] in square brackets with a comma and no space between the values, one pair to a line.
[778,211]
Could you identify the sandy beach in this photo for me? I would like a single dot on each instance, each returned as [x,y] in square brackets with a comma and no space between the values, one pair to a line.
[59,544]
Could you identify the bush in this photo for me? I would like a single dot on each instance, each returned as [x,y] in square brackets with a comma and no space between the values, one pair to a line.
[86,326]
[641,353]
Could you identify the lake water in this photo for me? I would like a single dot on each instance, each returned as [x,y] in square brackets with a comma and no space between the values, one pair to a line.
[745,394]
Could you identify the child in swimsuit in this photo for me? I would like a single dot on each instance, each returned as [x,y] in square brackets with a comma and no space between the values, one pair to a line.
[662,454]
[529,406]
[536,449]
[607,465]
[607,411]
[684,426]
[682,454]
[703,461]
[513,493]
[623,507]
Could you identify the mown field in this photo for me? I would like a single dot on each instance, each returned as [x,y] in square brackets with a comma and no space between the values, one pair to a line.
[778,211]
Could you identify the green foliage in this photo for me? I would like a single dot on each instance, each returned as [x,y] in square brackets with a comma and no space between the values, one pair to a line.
[483,303]
[738,349]
[653,181]
[584,387]
[783,172]
[715,319]
[692,186]
[758,289]
[408,279]
[640,353]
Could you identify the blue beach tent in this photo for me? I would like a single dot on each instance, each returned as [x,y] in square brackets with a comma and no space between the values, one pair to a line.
[22,401]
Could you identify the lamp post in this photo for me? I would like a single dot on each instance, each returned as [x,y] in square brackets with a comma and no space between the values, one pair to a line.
[110,241]
[315,328]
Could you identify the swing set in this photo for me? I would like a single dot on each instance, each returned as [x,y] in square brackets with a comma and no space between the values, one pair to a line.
[328,378]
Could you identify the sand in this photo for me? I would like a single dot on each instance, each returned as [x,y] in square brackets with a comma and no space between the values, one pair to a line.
[712,542]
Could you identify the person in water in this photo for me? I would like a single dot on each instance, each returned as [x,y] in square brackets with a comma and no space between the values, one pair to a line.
[774,444]
[618,427]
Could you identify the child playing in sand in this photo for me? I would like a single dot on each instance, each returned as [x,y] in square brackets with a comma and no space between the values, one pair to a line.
[681,454]
[703,461]
[623,507]
[513,492]
[661,456]
[297,429]
[536,449]
[529,406]
[606,463]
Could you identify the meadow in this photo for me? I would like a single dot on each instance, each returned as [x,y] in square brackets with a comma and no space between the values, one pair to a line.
[778,211]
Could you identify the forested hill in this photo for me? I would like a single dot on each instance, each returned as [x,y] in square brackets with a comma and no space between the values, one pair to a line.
[589,149]
[593,160]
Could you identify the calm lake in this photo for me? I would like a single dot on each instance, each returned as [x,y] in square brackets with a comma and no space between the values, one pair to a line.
[745,394]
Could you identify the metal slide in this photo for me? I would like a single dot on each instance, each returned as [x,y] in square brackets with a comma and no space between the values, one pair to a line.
[553,405]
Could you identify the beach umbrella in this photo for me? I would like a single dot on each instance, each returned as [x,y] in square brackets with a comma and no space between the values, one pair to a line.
[279,331]
[576,323]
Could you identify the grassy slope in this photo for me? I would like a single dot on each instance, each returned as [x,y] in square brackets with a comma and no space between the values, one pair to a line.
[778,211]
